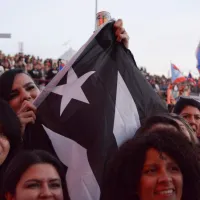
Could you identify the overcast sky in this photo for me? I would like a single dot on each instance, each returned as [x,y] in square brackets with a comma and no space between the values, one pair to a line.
[160,31]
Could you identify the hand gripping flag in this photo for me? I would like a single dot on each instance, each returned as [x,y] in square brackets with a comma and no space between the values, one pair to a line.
[177,76]
[89,109]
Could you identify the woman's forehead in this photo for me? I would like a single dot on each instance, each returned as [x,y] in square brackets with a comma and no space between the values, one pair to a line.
[21,79]
[153,155]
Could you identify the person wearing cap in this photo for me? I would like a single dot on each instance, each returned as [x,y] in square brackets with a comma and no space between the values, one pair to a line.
[189,109]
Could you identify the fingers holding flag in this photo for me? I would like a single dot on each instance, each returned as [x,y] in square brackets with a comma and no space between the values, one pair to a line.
[121,33]
[26,115]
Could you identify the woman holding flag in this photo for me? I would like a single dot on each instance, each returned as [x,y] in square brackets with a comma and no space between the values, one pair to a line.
[19,89]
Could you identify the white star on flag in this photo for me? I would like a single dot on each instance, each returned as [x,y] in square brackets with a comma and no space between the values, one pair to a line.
[72,89]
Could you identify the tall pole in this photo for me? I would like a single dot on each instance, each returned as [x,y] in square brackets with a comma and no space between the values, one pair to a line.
[96,10]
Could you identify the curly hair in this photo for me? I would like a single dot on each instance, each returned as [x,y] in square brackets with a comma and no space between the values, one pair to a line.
[123,177]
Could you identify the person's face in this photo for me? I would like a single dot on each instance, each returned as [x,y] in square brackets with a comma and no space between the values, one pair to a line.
[6,64]
[29,67]
[192,116]
[23,89]
[40,181]
[161,178]
[4,146]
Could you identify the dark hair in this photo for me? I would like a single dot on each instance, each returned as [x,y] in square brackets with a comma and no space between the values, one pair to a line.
[10,123]
[192,134]
[11,129]
[125,170]
[6,82]
[165,119]
[183,102]
[22,162]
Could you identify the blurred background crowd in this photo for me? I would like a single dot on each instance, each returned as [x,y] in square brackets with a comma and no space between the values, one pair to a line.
[42,71]
[169,91]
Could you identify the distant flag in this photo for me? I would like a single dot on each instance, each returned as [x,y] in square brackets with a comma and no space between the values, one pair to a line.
[190,76]
[198,57]
[177,76]
[61,66]
[90,108]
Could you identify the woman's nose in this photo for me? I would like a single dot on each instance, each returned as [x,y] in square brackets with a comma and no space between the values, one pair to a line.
[25,95]
[45,191]
[165,177]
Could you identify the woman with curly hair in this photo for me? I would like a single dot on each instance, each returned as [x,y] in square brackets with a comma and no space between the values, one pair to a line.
[162,165]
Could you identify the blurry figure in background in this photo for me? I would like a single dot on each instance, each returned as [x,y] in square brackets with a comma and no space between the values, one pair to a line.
[1,70]
[101,18]
[6,65]
[186,91]
[42,81]
[20,63]
[12,62]
[1,56]
[51,72]
[28,68]
[175,91]
[170,98]
[36,73]
[157,88]
[60,64]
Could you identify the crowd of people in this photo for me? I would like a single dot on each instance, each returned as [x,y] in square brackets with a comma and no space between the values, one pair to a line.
[42,71]
[169,91]
[161,161]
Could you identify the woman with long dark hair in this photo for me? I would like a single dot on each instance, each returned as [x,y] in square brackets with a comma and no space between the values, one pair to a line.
[19,89]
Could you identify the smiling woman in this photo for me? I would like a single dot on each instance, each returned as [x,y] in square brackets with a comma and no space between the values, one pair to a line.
[155,166]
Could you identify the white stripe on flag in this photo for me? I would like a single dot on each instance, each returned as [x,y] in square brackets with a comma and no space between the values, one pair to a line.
[81,182]
[127,119]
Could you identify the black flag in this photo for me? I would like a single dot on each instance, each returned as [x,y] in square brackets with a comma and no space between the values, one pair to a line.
[90,108]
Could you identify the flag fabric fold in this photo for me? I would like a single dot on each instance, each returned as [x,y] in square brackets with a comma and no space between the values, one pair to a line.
[89,109]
